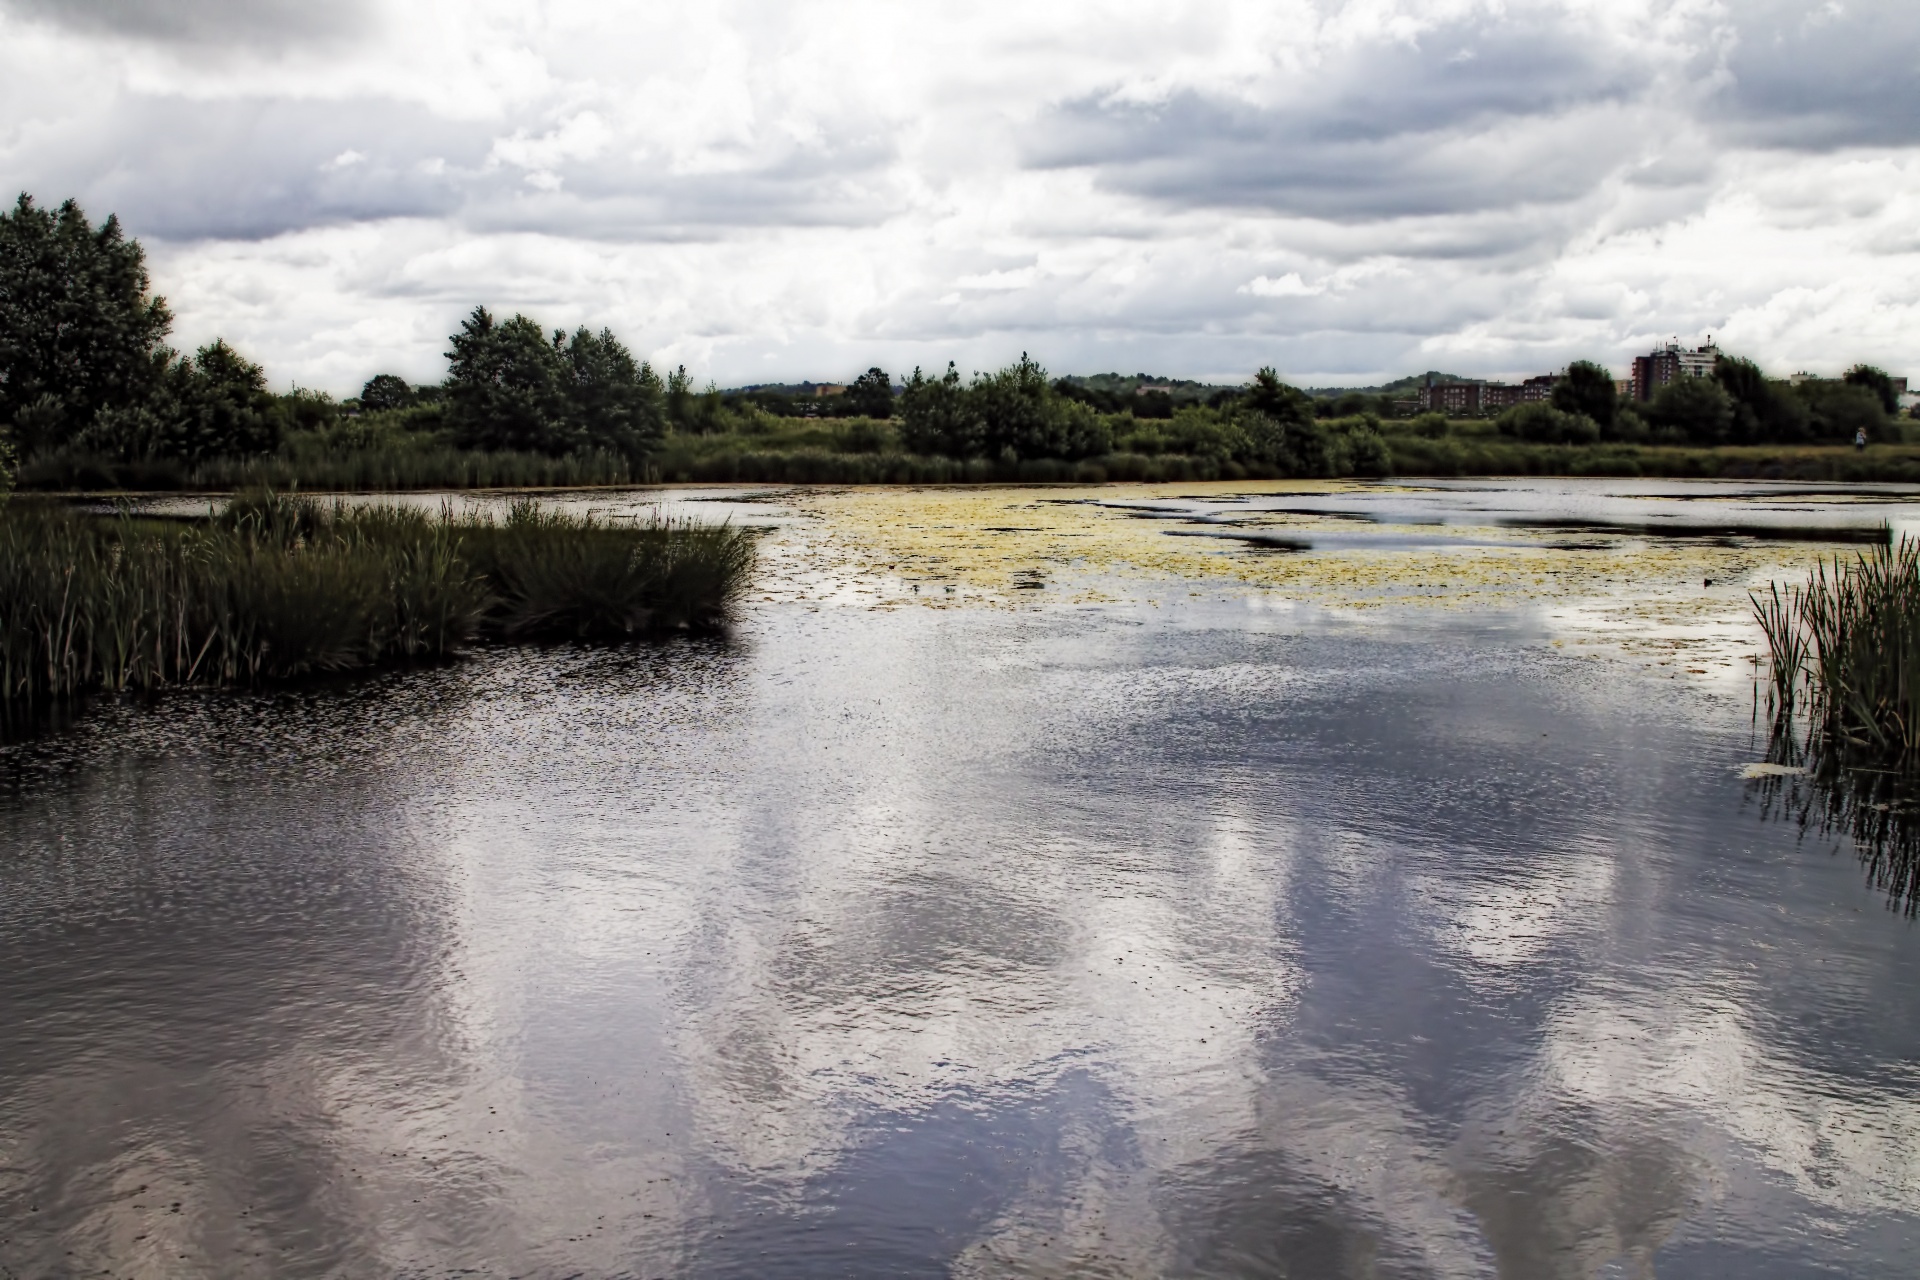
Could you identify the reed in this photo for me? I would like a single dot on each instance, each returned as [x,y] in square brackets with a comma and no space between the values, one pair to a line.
[1844,677]
[1844,650]
[279,586]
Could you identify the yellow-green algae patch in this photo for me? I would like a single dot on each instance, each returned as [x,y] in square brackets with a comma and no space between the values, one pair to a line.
[1027,547]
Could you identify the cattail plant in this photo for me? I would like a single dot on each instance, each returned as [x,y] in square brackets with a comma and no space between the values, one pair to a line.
[279,586]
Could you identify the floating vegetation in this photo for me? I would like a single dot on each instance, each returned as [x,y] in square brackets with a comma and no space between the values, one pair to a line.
[1844,756]
[280,586]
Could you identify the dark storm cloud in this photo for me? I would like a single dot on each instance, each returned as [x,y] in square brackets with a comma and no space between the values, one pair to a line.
[1452,124]
[1821,76]
[206,22]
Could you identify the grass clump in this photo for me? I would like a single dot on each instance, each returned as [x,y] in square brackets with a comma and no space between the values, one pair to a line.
[1844,653]
[278,586]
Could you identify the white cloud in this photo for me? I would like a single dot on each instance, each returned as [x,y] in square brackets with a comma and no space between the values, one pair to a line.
[1194,187]
[1289,285]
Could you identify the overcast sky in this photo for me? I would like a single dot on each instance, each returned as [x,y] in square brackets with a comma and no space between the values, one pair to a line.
[769,191]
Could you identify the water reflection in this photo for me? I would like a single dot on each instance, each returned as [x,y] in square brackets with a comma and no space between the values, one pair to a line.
[1858,797]
[929,942]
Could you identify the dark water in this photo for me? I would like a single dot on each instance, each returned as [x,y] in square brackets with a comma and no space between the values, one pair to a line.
[1064,942]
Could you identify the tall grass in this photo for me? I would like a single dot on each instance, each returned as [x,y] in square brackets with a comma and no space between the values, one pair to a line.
[1844,651]
[279,587]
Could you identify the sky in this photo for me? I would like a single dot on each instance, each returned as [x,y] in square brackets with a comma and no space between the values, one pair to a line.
[771,191]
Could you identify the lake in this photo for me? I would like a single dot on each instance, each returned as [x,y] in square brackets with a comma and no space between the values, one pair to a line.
[1238,879]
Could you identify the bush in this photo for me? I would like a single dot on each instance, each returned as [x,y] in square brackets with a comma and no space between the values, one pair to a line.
[1539,422]
[1587,391]
[510,387]
[1693,410]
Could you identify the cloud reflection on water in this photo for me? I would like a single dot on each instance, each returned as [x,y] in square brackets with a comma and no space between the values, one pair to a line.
[989,942]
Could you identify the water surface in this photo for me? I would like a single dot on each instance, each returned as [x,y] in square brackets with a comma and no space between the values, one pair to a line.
[1155,922]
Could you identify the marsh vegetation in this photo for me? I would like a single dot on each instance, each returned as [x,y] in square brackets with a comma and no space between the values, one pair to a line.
[1844,696]
[279,586]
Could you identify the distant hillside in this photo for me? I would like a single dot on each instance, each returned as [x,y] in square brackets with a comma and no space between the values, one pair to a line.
[1127,384]
[1398,387]
[785,388]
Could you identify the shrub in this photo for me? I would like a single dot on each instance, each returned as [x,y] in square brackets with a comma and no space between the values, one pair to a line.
[1539,422]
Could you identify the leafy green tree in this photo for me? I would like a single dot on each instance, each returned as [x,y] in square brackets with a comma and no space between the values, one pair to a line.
[615,403]
[1013,411]
[1840,409]
[1763,411]
[222,408]
[871,395]
[79,332]
[1152,404]
[214,404]
[1348,404]
[507,387]
[1021,416]
[1587,391]
[1276,400]
[938,416]
[1697,410]
[303,410]
[680,399]
[385,391]
[1542,423]
[1876,381]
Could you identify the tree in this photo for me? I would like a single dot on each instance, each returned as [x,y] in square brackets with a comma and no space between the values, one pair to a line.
[1013,411]
[1542,423]
[507,385]
[1587,390]
[1876,381]
[385,391]
[1840,409]
[1697,409]
[871,395]
[615,403]
[221,407]
[1763,411]
[79,332]
[214,404]
[679,399]
[1278,401]
[938,416]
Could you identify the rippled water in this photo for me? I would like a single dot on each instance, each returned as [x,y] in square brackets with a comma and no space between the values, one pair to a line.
[1146,937]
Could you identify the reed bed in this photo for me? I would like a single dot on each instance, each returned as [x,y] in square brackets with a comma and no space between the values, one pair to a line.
[1844,652]
[280,586]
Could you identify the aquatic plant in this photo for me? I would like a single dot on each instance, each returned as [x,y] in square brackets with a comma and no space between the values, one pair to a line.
[1845,648]
[279,586]
[1844,678]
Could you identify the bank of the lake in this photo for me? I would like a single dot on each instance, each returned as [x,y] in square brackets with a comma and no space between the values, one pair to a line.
[837,453]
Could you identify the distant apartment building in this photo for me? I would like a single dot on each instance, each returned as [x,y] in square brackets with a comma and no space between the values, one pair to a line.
[1669,364]
[1471,399]
[1455,399]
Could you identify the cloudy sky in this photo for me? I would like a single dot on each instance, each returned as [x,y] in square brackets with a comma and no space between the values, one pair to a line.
[769,191]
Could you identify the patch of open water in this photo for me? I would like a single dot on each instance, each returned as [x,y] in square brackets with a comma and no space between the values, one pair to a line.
[1167,933]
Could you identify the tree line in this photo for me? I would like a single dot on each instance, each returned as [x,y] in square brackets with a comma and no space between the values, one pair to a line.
[85,370]
[1738,404]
